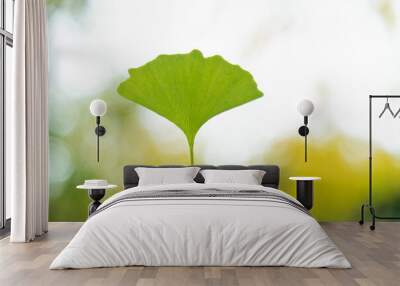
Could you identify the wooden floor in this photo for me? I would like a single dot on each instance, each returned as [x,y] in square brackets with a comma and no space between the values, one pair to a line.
[375,257]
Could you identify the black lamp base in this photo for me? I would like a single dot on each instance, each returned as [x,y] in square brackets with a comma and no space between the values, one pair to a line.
[304,131]
[100,130]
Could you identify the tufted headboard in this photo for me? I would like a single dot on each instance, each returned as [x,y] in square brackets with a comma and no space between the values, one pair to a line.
[270,179]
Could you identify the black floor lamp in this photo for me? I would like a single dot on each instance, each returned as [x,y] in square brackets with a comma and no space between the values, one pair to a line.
[305,108]
[98,108]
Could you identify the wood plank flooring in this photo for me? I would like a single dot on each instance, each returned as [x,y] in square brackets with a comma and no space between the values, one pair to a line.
[375,257]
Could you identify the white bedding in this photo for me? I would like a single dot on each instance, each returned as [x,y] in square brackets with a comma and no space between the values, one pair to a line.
[200,231]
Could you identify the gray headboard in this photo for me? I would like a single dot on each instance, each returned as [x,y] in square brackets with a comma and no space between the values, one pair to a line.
[271,177]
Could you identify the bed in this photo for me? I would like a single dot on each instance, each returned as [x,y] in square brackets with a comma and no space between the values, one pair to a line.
[198,224]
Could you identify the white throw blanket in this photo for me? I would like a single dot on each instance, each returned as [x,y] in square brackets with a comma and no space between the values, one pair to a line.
[190,230]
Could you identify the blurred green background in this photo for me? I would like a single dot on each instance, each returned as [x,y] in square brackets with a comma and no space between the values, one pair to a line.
[339,157]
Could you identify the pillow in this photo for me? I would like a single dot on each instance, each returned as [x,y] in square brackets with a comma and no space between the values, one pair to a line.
[248,177]
[166,176]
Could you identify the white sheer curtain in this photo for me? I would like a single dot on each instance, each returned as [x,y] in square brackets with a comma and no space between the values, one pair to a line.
[27,127]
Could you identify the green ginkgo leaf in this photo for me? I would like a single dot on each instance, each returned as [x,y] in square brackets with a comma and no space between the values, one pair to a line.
[189,89]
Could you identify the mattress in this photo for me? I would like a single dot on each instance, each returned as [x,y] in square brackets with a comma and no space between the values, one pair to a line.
[201,225]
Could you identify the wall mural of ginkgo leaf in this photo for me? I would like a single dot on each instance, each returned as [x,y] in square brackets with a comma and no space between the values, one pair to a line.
[189,89]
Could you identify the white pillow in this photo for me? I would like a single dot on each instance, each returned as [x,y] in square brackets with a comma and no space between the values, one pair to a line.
[248,177]
[166,176]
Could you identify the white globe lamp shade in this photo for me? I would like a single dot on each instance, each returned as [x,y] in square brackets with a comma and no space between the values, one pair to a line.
[98,107]
[305,107]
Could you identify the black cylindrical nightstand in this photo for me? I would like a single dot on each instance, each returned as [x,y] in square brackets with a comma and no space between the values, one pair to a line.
[305,190]
[96,190]
[96,195]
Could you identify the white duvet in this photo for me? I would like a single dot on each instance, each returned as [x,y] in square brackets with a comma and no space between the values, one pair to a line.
[200,231]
